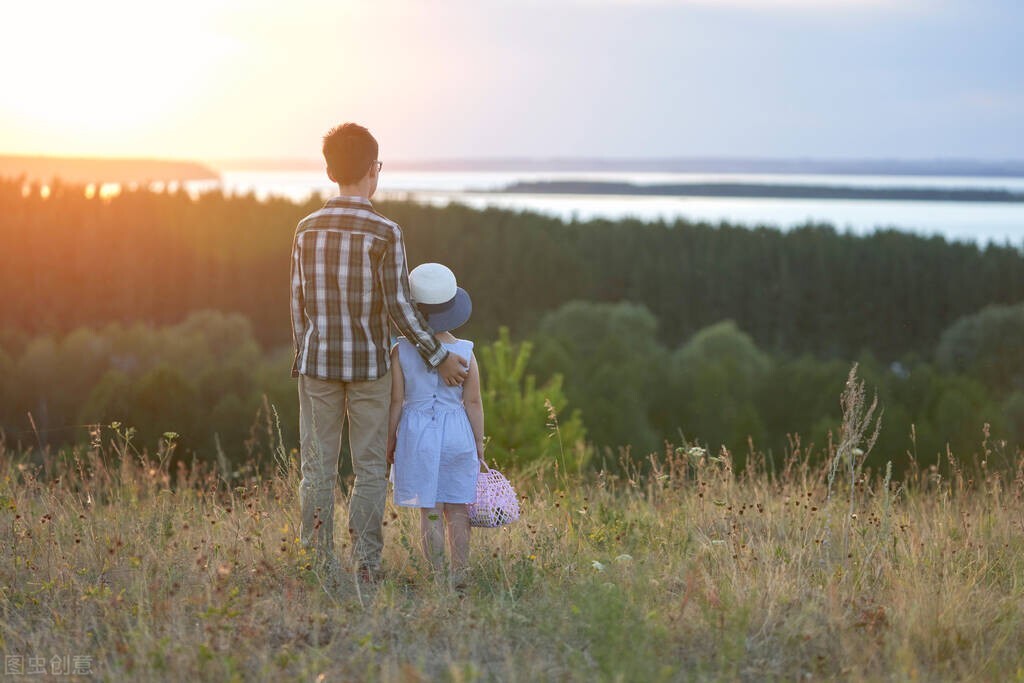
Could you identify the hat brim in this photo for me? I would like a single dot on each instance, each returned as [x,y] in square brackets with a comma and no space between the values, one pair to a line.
[449,315]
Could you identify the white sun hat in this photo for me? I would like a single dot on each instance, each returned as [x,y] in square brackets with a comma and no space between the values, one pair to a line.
[443,303]
[432,283]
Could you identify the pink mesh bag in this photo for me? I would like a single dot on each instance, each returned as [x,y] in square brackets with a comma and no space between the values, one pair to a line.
[496,502]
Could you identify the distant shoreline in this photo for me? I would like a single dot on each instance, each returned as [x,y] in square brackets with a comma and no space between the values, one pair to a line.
[140,170]
[765,191]
[83,170]
[890,167]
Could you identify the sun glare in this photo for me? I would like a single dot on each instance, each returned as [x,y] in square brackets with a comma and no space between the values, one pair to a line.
[103,69]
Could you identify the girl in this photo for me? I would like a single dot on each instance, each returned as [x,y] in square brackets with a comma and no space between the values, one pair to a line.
[436,431]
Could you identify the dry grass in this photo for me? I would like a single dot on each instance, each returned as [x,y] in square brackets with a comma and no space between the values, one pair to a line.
[688,572]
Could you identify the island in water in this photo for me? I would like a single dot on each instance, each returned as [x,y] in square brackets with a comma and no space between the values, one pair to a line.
[587,187]
[82,170]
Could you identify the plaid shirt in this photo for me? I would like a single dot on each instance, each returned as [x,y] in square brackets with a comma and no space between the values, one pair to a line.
[349,276]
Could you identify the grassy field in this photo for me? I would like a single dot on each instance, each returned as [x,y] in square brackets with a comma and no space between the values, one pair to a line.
[806,570]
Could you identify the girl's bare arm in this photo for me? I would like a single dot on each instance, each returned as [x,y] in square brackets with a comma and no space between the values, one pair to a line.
[473,401]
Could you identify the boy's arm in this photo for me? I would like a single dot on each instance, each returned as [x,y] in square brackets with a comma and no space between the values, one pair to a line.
[298,303]
[397,398]
[409,321]
[472,399]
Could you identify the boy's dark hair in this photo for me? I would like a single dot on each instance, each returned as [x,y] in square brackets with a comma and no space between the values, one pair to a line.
[349,149]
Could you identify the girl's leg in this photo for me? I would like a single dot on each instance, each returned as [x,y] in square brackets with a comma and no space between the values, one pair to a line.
[432,530]
[457,519]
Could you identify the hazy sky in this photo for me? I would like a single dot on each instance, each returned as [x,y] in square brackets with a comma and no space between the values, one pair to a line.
[216,79]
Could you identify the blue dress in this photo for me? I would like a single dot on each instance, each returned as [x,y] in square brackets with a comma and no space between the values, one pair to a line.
[435,451]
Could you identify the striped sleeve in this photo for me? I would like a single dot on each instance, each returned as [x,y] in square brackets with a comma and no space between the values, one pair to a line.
[395,283]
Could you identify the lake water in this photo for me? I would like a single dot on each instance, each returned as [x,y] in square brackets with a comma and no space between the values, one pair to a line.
[979,222]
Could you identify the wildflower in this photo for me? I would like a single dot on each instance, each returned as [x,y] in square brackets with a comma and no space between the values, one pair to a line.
[598,566]
[624,558]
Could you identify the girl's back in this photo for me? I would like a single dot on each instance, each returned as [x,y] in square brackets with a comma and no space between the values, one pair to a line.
[435,453]
[423,386]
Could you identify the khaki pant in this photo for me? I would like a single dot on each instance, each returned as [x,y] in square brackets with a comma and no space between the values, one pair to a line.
[323,407]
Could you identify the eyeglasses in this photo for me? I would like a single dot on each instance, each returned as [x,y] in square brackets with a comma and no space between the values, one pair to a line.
[380,165]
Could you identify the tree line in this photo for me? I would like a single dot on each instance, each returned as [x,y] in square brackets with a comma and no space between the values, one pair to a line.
[718,388]
[154,257]
[651,331]
[593,385]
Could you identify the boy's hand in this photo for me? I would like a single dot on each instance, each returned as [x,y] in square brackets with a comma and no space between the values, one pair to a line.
[454,370]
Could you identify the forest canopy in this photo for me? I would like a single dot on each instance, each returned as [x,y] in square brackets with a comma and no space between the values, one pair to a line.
[171,312]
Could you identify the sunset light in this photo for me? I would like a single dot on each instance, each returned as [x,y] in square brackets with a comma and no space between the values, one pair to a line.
[512,340]
[622,78]
[105,71]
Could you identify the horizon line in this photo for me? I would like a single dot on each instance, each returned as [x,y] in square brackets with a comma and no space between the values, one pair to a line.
[934,166]
[800,158]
